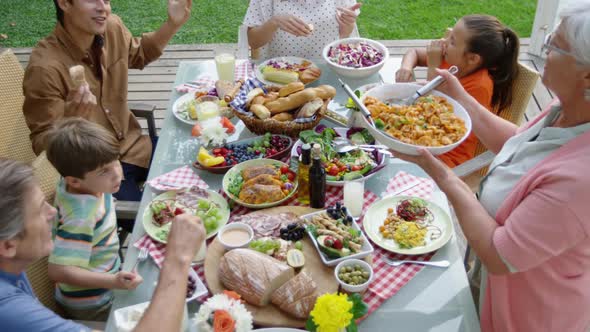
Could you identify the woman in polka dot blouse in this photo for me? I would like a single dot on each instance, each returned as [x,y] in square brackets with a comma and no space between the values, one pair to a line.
[299,27]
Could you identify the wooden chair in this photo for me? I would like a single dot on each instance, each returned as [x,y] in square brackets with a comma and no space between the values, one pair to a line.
[473,170]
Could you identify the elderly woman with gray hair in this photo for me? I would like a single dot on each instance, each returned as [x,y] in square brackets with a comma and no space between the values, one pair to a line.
[25,236]
[531,225]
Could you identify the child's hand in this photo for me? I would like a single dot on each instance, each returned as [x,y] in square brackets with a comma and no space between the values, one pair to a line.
[435,52]
[127,280]
[404,75]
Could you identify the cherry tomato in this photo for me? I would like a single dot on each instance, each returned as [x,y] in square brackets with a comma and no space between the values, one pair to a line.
[334,170]
[356,168]
[178,211]
[285,169]
[291,176]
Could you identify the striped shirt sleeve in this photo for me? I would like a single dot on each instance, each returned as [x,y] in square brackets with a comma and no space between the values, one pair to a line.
[73,242]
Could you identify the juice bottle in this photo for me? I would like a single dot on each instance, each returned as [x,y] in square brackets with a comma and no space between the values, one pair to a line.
[303,174]
[317,179]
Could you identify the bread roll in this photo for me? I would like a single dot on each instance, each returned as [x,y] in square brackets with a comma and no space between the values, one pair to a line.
[292,101]
[325,91]
[310,108]
[285,116]
[271,96]
[252,94]
[253,275]
[291,88]
[260,111]
[297,296]
[258,100]
[77,75]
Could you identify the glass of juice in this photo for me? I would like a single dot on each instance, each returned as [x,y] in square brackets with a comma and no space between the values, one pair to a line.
[354,197]
[226,64]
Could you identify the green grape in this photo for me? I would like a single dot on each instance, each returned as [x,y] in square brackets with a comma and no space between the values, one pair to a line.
[212,212]
[210,224]
[250,149]
[201,214]
[263,150]
[266,144]
[203,204]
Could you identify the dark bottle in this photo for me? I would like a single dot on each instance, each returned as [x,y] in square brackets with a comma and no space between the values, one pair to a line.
[303,174]
[317,179]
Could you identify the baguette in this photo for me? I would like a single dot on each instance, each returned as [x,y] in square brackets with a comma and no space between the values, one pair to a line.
[258,100]
[285,116]
[260,111]
[325,91]
[77,75]
[292,101]
[310,108]
[252,94]
[291,88]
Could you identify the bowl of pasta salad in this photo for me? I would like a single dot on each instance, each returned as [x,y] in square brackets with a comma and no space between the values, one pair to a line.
[435,122]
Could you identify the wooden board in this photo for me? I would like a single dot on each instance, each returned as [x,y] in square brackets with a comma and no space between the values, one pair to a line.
[270,315]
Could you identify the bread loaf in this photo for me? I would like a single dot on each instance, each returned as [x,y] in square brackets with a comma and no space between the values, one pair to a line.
[292,101]
[297,296]
[77,75]
[325,91]
[253,275]
[258,100]
[291,88]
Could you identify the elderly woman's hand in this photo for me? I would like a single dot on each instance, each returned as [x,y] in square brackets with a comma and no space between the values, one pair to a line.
[292,24]
[452,87]
[435,168]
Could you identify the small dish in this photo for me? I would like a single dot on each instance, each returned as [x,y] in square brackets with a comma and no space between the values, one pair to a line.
[235,228]
[354,288]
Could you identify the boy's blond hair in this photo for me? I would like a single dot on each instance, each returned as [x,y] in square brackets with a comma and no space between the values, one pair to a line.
[76,146]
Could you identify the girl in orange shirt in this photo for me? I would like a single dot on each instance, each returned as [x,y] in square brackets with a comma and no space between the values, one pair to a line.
[486,53]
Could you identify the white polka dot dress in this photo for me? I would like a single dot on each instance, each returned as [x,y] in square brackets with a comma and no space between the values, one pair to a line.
[320,13]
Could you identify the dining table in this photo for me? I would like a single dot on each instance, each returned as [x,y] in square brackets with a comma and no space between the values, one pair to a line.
[436,299]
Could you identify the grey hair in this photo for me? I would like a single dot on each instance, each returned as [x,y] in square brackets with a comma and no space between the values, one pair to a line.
[575,21]
[16,180]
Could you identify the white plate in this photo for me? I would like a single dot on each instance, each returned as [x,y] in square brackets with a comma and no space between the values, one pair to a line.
[341,131]
[151,229]
[290,59]
[377,213]
[279,329]
[366,248]
[176,108]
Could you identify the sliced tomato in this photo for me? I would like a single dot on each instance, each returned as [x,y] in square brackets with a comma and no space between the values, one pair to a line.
[356,168]
[285,169]
[225,123]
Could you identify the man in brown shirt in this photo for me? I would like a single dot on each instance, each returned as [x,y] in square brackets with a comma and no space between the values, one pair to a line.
[88,35]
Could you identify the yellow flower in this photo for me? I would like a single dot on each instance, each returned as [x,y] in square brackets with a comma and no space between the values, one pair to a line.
[332,312]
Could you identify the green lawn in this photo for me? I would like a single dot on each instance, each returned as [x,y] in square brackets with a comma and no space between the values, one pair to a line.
[216,21]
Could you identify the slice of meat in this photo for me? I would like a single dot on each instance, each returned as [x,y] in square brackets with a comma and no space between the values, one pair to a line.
[252,172]
[190,198]
[266,224]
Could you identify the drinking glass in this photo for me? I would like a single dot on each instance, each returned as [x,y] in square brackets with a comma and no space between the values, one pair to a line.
[354,197]
[226,65]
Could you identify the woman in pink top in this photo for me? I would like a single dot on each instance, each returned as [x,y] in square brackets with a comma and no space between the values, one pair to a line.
[531,226]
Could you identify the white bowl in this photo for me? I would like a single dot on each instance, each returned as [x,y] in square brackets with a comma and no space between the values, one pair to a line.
[356,73]
[404,90]
[235,225]
[354,288]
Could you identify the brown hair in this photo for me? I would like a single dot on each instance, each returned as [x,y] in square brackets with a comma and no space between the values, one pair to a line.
[76,146]
[16,181]
[498,47]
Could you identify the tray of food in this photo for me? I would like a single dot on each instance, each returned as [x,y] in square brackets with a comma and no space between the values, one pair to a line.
[260,183]
[363,162]
[435,122]
[407,225]
[210,206]
[219,160]
[285,70]
[279,279]
[336,236]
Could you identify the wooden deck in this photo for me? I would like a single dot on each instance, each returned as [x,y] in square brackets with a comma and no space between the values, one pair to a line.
[154,83]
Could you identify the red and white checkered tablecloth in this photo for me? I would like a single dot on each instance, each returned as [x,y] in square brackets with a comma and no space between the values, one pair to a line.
[388,280]
[244,69]
[183,177]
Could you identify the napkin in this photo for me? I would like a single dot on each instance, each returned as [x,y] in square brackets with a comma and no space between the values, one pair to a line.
[183,177]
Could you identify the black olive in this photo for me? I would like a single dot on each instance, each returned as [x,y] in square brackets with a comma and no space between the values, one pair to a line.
[291,226]
[349,219]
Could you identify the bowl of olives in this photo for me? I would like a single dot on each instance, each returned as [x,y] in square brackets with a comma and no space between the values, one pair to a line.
[354,275]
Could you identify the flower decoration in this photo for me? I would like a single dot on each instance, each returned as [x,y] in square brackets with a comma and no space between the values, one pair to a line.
[223,312]
[336,313]
[213,132]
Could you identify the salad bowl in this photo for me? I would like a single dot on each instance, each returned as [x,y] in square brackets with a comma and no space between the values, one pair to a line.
[356,58]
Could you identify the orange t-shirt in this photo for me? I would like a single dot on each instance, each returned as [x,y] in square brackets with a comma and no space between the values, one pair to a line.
[480,86]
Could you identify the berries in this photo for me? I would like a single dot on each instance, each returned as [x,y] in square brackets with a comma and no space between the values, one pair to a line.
[339,212]
[293,232]
[265,147]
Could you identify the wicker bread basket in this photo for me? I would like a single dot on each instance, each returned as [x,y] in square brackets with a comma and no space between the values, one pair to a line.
[288,128]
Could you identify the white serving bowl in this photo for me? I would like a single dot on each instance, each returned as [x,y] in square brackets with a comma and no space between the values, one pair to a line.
[235,225]
[354,288]
[355,73]
[404,90]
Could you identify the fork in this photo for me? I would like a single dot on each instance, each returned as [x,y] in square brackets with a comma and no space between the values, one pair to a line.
[143,254]
[443,263]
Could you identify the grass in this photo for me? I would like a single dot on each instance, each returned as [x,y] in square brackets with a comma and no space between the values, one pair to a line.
[24,22]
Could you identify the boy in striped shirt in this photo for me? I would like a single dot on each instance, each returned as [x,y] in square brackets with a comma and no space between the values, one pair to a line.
[85,260]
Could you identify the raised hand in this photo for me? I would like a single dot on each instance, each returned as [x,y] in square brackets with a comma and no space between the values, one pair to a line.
[435,52]
[186,237]
[179,11]
[80,102]
[293,25]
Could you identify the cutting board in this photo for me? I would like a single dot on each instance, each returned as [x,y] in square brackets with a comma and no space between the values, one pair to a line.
[270,315]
